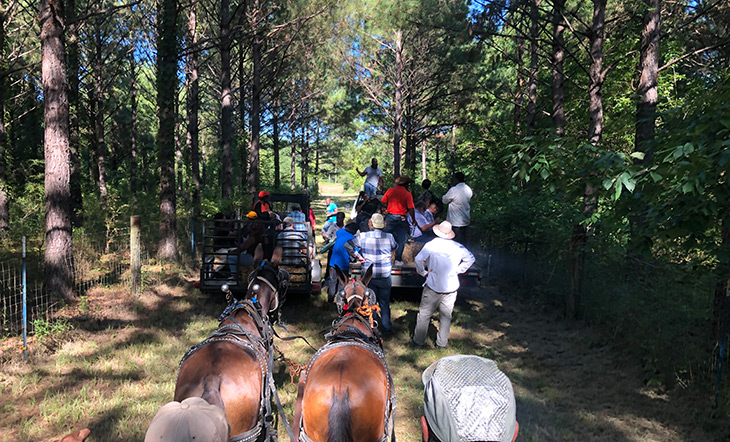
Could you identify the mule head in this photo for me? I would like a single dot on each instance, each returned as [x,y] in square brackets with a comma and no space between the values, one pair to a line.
[355,293]
[266,283]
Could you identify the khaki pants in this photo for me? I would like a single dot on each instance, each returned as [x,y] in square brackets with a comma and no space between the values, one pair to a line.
[430,301]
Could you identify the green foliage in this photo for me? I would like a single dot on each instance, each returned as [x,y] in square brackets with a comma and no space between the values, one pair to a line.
[43,328]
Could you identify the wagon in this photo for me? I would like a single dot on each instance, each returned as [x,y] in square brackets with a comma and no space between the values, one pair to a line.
[219,263]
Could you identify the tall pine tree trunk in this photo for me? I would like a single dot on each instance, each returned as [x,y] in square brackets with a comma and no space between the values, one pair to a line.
[305,157]
[520,84]
[648,79]
[277,165]
[579,236]
[398,117]
[166,87]
[293,173]
[99,116]
[532,81]
[558,75]
[423,158]
[193,104]
[316,159]
[4,201]
[253,147]
[133,171]
[58,260]
[72,49]
[226,103]
[242,143]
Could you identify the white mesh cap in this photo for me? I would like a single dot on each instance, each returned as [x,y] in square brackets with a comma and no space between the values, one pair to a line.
[467,398]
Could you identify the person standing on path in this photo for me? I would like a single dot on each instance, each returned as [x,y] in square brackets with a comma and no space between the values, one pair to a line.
[459,214]
[342,250]
[398,202]
[440,261]
[375,248]
[374,180]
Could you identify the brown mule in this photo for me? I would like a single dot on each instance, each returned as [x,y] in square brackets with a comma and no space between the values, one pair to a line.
[229,369]
[346,393]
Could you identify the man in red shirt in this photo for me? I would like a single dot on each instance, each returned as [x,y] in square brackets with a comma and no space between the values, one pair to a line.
[398,202]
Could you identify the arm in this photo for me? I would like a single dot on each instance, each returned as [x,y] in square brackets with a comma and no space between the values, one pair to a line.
[351,247]
[467,259]
[448,197]
[421,259]
[363,173]
[412,213]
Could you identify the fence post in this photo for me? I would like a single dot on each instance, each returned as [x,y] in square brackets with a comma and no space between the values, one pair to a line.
[25,308]
[135,253]
[192,237]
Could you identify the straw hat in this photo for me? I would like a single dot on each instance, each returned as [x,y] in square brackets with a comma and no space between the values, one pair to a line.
[403,180]
[444,230]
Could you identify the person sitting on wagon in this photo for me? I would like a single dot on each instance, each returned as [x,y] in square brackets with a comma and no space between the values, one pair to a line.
[467,398]
[298,217]
[422,229]
[293,243]
[262,205]
[365,209]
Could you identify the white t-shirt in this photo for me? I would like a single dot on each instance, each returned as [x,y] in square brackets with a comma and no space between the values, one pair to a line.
[458,200]
[373,175]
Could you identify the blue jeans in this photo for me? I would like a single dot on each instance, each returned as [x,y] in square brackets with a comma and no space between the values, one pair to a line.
[381,288]
[398,226]
[369,189]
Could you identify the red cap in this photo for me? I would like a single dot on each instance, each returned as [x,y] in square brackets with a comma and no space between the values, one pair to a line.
[264,193]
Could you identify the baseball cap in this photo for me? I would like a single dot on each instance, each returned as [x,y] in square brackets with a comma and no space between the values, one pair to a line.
[264,193]
[466,398]
[252,215]
[193,419]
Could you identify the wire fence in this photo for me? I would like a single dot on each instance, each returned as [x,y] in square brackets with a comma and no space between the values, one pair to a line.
[96,263]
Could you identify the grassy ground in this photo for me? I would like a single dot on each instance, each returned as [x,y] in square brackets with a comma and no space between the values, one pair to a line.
[118,364]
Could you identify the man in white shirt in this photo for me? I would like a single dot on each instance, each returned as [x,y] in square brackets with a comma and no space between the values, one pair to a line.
[440,261]
[374,180]
[459,209]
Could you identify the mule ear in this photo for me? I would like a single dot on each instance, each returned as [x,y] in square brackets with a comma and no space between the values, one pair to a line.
[368,275]
[276,256]
[258,255]
[342,276]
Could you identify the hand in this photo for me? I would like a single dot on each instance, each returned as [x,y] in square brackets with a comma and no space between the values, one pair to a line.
[362,260]
[77,436]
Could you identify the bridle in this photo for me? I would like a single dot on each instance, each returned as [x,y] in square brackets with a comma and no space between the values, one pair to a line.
[343,301]
[254,279]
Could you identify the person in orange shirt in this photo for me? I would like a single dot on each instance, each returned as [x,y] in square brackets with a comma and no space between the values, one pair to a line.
[398,203]
[262,205]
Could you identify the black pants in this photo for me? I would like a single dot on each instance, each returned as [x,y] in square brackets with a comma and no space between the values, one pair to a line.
[460,235]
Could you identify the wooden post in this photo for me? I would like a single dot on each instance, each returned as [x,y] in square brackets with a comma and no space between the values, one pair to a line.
[135,253]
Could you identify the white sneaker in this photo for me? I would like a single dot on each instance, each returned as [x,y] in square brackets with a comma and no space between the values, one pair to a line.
[398,263]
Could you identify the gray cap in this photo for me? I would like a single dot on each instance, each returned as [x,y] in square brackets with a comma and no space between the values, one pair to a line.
[193,419]
[467,398]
